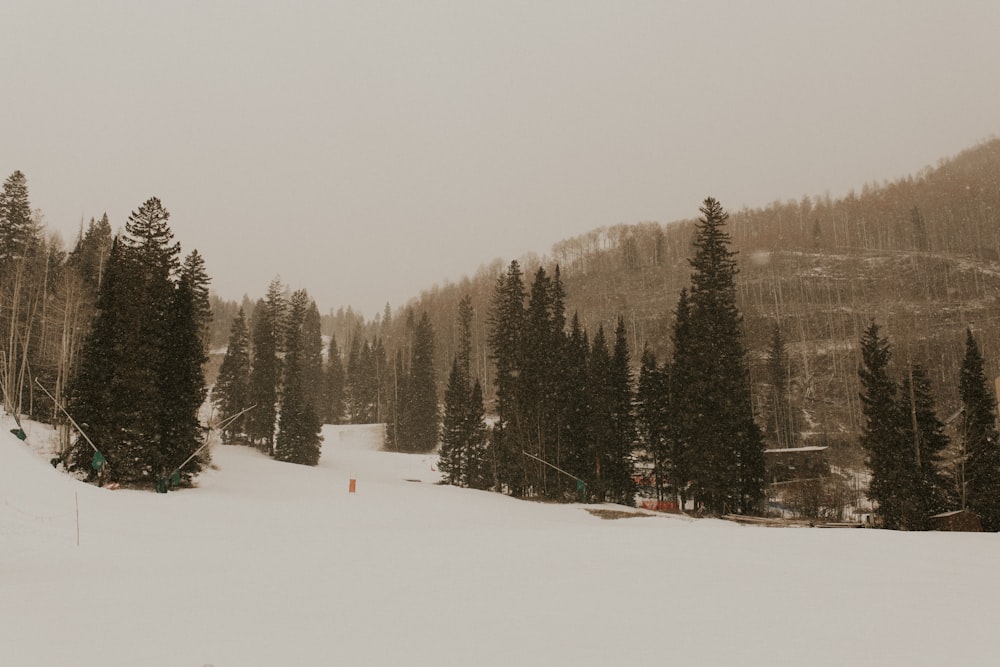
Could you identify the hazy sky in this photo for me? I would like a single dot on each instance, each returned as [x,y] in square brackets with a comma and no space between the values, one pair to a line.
[367,150]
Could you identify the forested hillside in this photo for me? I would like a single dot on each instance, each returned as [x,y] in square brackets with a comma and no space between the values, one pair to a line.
[919,256]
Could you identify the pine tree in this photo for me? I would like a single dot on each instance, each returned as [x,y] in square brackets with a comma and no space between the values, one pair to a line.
[478,471]
[299,438]
[100,394]
[18,230]
[312,358]
[140,382]
[621,485]
[463,456]
[981,490]
[231,393]
[507,325]
[193,269]
[455,432]
[182,389]
[880,437]
[652,400]
[726,446]
[268,325]
[576,406]
[20,255]
[365,366]
[923,440]
[683,412]
[90,255]
[463,354]
[600,421]
[334,390]
[422,419]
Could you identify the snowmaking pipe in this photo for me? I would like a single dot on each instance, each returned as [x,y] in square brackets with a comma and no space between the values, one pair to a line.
[223,424]
[540,460]
[71,420]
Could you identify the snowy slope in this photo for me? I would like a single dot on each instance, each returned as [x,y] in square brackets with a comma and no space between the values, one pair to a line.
[275,564]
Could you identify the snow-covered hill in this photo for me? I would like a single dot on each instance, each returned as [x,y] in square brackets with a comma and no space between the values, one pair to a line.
[268,563]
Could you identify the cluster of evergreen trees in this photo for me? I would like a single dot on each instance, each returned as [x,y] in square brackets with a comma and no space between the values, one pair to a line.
[413,418]
[569,419]
[140,383]
[695,414]
[564,427]
[905,441]
[463,459]
[278,371]
[276,365]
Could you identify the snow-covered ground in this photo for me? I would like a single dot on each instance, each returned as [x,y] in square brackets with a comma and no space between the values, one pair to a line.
[272,564]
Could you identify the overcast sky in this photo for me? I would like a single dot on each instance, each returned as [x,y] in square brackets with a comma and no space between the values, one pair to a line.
[367,150]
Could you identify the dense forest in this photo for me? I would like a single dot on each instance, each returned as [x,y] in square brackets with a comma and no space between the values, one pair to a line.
[919,255]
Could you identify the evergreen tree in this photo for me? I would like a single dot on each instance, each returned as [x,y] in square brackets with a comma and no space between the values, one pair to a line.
[182,389]
[507,324]
[600,422]
[312,358]
[981,489]
[726,446]
[268,325]
[20,294]
[100,392]
[683,412]
[334,391]
[422,420]
[621,485]
[299,438]
[880,437]
[193,269]
[463,456]
[90,255]
[923,440]
[18,230]
[231,393]
[380,381]
[478,472]
[455,431]
[140,382]
[363,381]
[576,405]
[539,391]
[463,354]
[652,398]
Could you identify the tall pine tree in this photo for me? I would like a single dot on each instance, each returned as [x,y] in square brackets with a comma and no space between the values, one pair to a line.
[621,486]
[333,385]
[298,439]
[231,394]
[265,375]
[724,444]
[880,436]
[981,489]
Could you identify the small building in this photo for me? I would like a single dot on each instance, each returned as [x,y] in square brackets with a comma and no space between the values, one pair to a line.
[959,520]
